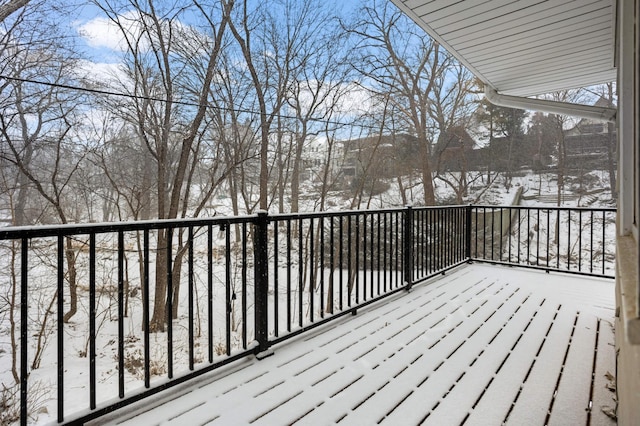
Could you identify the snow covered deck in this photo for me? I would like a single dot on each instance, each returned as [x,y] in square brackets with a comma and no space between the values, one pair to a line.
[480,345]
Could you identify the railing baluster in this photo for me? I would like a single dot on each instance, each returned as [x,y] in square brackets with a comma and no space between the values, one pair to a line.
[210,291]
[190,302]
[321,266]
[276,281]
[244,285]
[169,313]
[462,235]
[121,314]
[591,243]
[357,267]
[378,254]
[341,261]
[145,308]
[24,327]
[538,237]
[510,230]
[289,313]
[92,322]
[229,296]
[349,254]
[604,251]
[60,320]
[558,241]
[467,233]
[300,271]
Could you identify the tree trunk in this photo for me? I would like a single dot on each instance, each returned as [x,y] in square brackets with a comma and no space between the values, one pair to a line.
[160,297]
[427,176]
[295,174]
[72,277]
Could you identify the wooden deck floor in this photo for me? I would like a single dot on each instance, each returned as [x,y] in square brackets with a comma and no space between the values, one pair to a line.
[483,345]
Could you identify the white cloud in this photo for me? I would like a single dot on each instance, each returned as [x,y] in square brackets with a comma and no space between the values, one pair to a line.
[102,32]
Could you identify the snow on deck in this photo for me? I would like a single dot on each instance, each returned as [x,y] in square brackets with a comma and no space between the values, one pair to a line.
[483,345]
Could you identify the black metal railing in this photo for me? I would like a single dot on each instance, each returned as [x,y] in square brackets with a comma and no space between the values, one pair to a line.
[236,286]
[573,240]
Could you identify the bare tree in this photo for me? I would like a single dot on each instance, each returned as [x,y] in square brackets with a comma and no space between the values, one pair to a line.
[318,84]
[399,63]
[160,56]
[231,93]
[275,42]
[268,69]
[39,124]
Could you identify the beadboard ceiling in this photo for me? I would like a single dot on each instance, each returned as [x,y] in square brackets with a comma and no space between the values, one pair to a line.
[524,47]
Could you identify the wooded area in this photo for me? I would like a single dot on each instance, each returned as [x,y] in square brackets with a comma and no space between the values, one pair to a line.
[197,100]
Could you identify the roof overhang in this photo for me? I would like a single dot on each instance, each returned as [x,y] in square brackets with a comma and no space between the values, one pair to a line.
[526,47]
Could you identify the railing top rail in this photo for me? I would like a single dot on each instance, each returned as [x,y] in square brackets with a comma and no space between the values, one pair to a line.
[447,207]
[56,230]
[330,213]
[560,208]
[43,231]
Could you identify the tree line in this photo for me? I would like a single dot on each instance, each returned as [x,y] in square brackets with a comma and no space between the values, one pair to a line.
[216,97]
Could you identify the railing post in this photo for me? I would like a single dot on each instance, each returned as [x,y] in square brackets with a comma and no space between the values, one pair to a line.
[468,232]
[261,284]
[407,251]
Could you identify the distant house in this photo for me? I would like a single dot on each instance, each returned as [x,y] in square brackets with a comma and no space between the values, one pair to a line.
[314,160]
[383,156]
[453,150]
[588,142]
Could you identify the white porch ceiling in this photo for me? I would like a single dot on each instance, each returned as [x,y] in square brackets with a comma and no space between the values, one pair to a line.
[524,47]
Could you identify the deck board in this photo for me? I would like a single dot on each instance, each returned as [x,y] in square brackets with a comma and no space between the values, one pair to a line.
[478,346]
[575,384]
